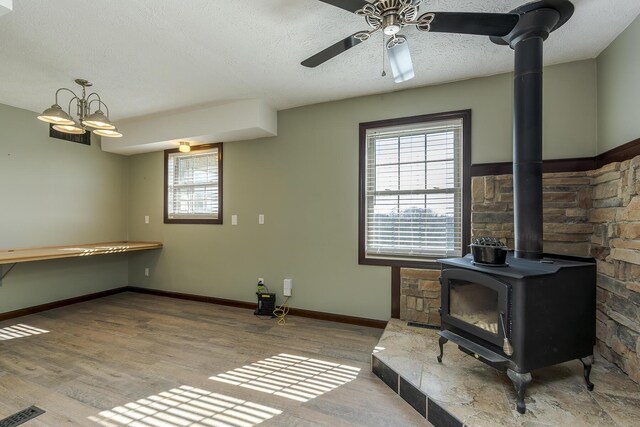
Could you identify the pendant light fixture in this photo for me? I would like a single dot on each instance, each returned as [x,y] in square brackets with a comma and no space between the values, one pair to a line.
[97,121]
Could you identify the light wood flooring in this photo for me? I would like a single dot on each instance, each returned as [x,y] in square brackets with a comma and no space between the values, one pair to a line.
[141,360]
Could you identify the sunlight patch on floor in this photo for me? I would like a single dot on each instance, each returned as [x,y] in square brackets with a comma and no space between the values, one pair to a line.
[186,406]
[293,377]
[19,331]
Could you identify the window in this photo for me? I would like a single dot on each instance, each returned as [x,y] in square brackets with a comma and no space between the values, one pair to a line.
[414,189]
[193,185]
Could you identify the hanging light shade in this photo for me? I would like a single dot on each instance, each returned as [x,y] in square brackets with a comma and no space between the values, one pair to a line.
[109,133]
[184,147]
[56,115]
[98,120]
[64,122]
[73,128]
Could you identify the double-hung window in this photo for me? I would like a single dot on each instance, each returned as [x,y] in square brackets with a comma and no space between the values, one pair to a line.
[193,185]
[412,188]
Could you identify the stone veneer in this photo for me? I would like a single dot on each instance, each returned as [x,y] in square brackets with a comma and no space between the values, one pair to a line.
[594,213]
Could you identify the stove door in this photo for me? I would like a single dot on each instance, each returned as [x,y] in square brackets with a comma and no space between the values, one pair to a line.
[476,303]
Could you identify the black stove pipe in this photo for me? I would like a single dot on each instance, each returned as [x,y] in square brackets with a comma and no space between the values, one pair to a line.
[527,147]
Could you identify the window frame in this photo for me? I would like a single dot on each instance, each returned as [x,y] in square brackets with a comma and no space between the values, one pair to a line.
[465,115]
[194,150]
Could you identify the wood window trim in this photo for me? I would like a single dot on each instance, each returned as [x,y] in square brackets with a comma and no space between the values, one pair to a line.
[194,149]
[465,115]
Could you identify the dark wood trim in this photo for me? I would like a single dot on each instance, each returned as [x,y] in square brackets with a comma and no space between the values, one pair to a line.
[340,318]
[548,166]
[465,115]
[619,154]
[395,292]
[62,303]
[193,297]
[196,148]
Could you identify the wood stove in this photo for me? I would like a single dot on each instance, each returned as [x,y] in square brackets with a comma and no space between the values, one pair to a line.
[521,316]
[536,309]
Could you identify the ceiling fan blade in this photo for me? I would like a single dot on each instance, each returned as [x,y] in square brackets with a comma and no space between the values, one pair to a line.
[400,59]
[484,24]
[350,5]
[333,50]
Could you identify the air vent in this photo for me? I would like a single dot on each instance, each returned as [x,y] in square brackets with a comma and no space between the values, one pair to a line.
[21,417]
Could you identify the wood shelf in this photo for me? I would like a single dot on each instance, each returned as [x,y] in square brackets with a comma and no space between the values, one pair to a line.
[12,256]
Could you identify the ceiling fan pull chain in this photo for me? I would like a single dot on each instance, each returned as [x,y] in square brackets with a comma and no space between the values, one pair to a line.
[384,73]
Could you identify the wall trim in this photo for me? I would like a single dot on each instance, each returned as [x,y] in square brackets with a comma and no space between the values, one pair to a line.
[319,315]
[395,292]
[193,297]
[619,154]
[61,303]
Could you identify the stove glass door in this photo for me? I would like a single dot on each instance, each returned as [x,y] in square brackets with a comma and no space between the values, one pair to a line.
[474,304]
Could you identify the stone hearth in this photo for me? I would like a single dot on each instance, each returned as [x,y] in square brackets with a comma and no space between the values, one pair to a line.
[464,392]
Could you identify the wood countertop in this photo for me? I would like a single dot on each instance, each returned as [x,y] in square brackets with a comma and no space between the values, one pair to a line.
[11,256]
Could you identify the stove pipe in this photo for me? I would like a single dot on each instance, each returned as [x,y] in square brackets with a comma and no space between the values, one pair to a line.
[535,22]
[527,148]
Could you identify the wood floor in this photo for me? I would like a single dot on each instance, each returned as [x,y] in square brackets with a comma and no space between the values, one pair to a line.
[141,360]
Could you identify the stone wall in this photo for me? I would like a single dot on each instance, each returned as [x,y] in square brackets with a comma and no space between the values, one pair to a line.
[615,244]
[566,205]
[420,295]
[594,213]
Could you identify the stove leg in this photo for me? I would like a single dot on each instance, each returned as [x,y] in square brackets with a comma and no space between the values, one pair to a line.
[520,382]
[586,363]
[441,342]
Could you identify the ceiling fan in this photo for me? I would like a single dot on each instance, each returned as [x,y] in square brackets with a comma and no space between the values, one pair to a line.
[391,16]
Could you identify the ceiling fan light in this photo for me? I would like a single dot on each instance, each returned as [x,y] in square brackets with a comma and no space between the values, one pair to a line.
[391,29]
[109,133]
[56,115]
[74,128]
[98,120]
[184,147]
[391,25]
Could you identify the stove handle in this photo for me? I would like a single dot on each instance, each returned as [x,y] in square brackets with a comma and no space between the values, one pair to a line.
[506,346]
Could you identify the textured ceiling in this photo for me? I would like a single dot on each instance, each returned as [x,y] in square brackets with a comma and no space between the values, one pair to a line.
[148,56]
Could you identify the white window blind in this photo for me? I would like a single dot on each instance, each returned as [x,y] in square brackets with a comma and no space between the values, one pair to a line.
[414,191]
[192,185]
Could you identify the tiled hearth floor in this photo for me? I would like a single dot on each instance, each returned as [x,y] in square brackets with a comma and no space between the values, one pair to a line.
[464,391]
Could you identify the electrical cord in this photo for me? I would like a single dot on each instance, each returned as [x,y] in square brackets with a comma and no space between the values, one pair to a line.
[281,312]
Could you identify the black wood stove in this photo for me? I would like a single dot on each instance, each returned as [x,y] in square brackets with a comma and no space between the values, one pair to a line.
[536,309]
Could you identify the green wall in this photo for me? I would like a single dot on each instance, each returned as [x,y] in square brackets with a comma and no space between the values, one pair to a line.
[619,90]
[305,182]
[56,192]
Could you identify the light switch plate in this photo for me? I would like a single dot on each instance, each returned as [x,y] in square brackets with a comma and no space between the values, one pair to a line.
[261,219]
[234,219]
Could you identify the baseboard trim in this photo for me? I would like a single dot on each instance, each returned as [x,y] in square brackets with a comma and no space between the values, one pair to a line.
[62,303]
[332,317]
[192,297]
[340,318]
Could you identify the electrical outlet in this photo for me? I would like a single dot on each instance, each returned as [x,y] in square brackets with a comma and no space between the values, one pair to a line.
[261,219]
[146,219]
[146,272]
[288,284]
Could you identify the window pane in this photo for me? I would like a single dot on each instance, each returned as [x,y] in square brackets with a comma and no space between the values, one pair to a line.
[193,185]
[414,194]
